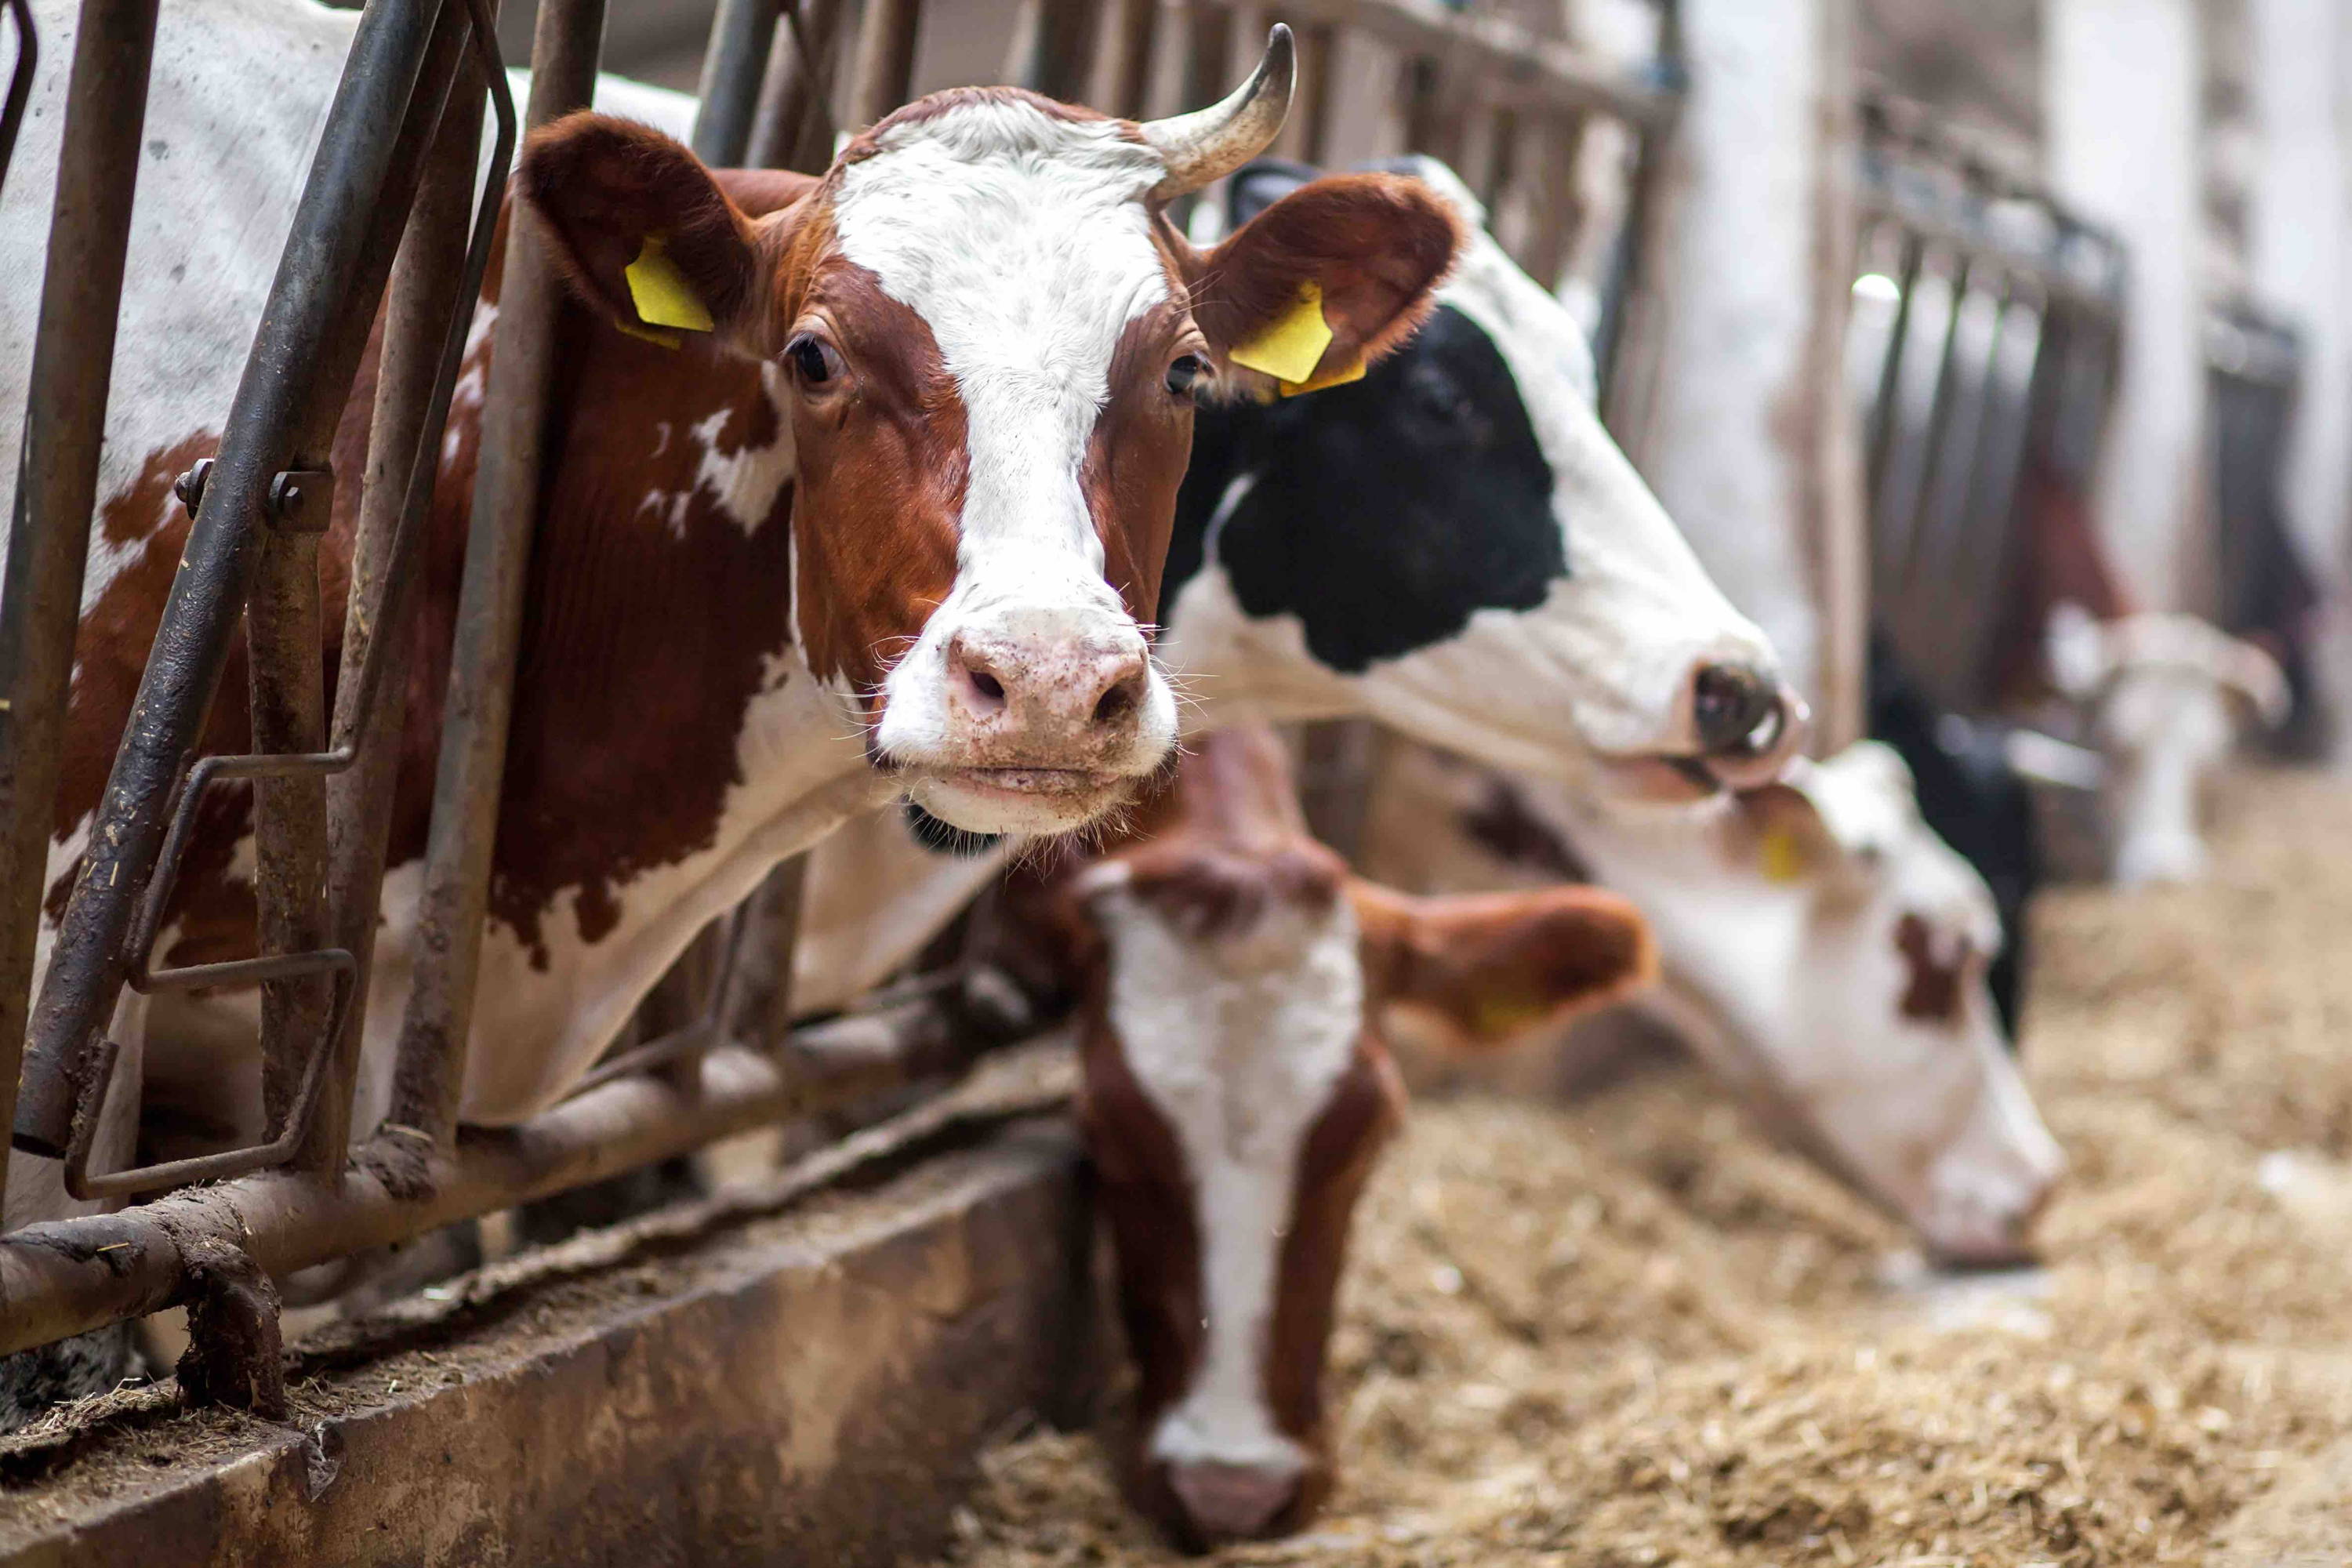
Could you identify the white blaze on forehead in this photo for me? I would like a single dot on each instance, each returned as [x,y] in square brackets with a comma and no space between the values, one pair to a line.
[1239,1041]
[1022,240]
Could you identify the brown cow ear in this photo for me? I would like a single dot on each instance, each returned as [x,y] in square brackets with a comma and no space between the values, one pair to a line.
[641,228]
[1490,966]
[1325,280]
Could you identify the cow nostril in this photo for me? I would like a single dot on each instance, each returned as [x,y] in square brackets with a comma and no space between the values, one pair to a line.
[1728,703]
[1116,704]
[987,685]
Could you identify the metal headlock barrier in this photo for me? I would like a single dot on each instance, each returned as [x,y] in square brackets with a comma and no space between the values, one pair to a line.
[388,226]
[1980,354]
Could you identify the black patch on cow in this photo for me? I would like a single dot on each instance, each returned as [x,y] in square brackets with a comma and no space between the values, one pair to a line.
[945,837]
[1358,518]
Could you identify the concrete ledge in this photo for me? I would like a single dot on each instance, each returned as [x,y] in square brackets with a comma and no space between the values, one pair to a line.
[812,1387]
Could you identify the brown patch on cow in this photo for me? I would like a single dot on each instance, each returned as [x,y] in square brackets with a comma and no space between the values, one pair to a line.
[1932,994]
[648,622]
[1366,1109]
[603,187]
[1489,966]
[1506,827]
[1135,456]
[1376,245]
[886,462]
[1144,1189]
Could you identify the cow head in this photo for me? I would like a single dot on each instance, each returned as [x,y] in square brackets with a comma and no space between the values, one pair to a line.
[1523,599]
[1235,1096]
[1824,952]
[1880,1047]
[988,338]
[2165,695]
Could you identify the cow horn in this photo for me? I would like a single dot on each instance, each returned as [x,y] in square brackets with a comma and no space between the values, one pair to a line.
[1210,143]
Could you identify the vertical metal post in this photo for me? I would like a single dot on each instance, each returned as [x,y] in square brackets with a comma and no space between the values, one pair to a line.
[431,1073]
[885,59]
[1126,80]
[56,479]
[282,635]
[314,326]
[1063,58]
[793,126]
[1319,55]
[20,82]
[427,300]
[733,66]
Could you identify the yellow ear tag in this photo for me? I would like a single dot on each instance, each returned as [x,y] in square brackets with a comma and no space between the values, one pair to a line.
[661,293]
[1339,377]
[1783,857]
[1289,350]
[660,336]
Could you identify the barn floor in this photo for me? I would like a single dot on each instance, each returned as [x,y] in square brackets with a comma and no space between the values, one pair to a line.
[1628,1333]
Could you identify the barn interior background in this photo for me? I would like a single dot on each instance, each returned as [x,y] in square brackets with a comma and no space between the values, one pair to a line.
[1918,318]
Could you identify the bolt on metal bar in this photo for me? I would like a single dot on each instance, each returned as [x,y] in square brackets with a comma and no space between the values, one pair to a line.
[455,898]
[57,477]
[742,36]
[20,82]
[287,401]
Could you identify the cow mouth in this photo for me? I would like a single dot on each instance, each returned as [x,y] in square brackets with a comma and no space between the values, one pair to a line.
[1663,778]
[1018,799]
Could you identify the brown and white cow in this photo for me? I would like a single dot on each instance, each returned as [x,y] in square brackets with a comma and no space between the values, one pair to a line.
[1237,1092]
[1823,951]
[891,529]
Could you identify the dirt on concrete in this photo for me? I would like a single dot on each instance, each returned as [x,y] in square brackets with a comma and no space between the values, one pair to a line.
[1627,1332]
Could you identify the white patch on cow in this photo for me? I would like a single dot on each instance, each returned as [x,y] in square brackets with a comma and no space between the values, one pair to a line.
[1022,241]
[1239,1040]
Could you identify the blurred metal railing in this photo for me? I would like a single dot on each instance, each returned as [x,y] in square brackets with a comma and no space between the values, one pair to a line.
[1981,352]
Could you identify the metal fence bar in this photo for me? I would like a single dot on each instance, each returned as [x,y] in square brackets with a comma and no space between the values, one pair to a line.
[305,331]
[20,82]
[454,900]
[885,59]
[794,128]
[288,696]
[742,36]
[1126,63]
[430,305]
[56,479]
[71,1276]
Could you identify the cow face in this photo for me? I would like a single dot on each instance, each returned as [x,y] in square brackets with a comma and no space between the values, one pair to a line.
[989,342]
[1823,951]
[1524,599]
[2167,696]
[1236,1094]
[1882,1048]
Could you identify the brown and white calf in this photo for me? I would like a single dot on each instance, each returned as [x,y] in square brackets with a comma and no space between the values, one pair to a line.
[1236,1091]
[891,530]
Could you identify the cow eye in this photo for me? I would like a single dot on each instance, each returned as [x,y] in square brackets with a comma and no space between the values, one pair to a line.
[1183,371]
[813,359]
